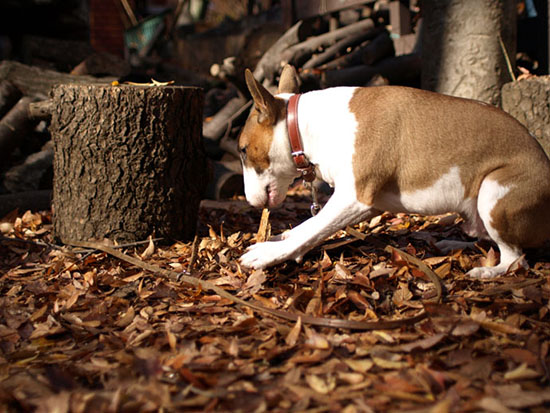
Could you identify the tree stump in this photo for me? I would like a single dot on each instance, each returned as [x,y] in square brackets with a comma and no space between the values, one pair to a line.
[527,101]
[128,162]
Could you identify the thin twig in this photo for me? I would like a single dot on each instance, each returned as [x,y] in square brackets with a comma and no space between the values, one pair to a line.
[190,279]
[507,58]
[40,243]
[194,253]
[422,267]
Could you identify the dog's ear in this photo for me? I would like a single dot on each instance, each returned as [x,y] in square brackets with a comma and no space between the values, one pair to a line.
[264,101]
[289,82]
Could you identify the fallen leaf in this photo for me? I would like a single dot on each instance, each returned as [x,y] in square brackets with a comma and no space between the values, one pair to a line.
[255,281]
[522,372]
[320,385]
[359,365]
[423,344]
[294,333]
[149,251]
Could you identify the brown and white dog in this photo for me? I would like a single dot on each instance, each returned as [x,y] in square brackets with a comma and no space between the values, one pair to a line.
[397,149]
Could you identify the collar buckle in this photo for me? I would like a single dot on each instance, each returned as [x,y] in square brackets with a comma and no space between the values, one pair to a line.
[306,168]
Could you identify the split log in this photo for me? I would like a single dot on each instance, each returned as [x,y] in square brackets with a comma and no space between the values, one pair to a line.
[340,46]
[33,81]
[128,162]
[270,63]
[24,201]
[268,67]
[297,55]
[15,125]
[367,53]
[231,71]
[226,183]
[216,127]
[9,95]
[29,175]
[397,70]
[41,110]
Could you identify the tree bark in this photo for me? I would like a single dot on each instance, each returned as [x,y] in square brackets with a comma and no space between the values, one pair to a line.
[128,162]
[462,52]
[527,101]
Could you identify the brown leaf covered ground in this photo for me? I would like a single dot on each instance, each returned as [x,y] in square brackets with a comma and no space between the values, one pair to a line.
[81,331]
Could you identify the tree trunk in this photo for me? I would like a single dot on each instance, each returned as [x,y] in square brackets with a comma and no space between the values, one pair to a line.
[462,51]
[128,162]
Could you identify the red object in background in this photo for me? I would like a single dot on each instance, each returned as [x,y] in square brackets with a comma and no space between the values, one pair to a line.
[106,27]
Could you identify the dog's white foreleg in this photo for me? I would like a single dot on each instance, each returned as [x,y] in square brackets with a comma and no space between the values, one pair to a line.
[336,214]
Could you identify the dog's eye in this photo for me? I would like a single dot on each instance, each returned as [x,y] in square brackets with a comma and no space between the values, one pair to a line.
[243,153]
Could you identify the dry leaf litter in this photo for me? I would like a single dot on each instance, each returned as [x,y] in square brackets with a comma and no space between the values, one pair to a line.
[82,331]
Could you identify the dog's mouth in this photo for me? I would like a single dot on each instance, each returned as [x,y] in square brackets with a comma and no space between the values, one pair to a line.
[274,196]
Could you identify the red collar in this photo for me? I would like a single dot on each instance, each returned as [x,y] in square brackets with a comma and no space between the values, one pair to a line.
[306,168]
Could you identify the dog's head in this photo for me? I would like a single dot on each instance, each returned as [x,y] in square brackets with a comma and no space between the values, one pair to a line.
[268,168]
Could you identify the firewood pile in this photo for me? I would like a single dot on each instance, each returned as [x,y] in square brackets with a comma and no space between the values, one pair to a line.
[349,48]
[359,53]
[26,152]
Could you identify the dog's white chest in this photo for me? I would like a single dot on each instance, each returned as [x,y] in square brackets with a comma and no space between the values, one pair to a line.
[329,132]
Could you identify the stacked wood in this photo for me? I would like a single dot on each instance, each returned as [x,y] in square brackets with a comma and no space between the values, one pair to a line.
[38,200]
[14,126]
[29,175]
[35,81]
[9,95]
[25,151]
[357,54]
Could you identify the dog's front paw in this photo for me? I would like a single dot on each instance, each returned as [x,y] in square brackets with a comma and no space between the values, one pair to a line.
[486,273]
[264,254]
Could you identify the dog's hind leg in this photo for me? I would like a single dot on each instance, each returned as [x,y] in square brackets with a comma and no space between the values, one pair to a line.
[499,206]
